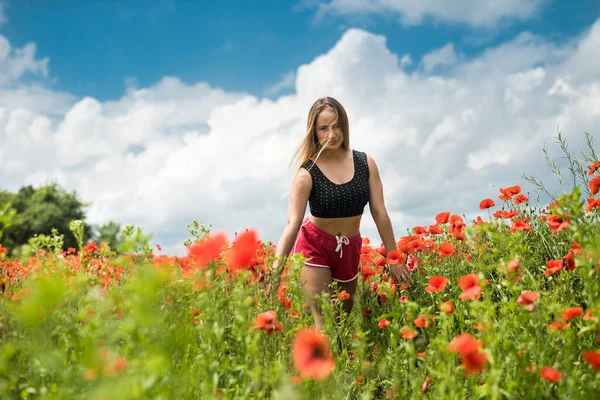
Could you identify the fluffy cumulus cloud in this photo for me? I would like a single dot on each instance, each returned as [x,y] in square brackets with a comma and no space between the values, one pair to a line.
[165,155]
[473,12]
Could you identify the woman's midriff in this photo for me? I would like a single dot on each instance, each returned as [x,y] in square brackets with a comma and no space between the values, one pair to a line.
[348,227]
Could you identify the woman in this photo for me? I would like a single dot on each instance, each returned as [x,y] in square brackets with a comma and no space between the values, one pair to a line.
[337,182]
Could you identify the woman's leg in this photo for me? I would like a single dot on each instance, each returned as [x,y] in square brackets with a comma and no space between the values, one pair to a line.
[314,281]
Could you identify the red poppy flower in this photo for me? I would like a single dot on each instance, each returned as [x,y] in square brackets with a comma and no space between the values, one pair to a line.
[423,321]
[557,223]
[593,167]
[408,333]
[442,218]
[436,284]
[553,266]
[521,198]
[558,326]
[519,225]
[486,203]
[509,192]
[527,299]
[478,221]
[468,347]
[571,313]
[435,230]
[311,354]
[411,263]
[446,249]
[384,323]
[243,250]
[591,204]
[594,185]
[395,257]
[470,287]
[550,374]
[267,322]
[208,249]
[447,307]
[593,358]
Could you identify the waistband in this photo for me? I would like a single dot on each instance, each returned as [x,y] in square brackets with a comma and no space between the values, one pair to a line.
[307,224]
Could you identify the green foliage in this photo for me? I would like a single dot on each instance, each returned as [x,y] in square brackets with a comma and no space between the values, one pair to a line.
[7,215]
[37,212]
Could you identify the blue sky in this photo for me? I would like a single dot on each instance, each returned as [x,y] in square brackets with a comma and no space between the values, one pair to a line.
[160,112]
[96,46]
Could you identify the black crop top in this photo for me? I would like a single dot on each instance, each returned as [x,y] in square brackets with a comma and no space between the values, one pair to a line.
[330,200]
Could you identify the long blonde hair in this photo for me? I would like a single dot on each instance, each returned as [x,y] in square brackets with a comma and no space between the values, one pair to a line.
[310,148]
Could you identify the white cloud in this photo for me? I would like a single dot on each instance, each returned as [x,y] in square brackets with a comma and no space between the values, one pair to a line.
[482,14]
[287,82]
[445,56]
[167,154]
[13,64]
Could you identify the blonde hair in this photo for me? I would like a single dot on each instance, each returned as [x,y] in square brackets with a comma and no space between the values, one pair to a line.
[310,148]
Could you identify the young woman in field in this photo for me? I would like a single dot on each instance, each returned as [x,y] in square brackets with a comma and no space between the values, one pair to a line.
[336,182]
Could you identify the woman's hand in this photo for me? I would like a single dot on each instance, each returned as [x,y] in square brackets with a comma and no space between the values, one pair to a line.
[400,272]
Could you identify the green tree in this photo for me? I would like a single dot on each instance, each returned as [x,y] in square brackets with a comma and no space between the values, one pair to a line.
[38,210]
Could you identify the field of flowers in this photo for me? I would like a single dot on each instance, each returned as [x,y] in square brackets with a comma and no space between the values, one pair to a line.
[505,306]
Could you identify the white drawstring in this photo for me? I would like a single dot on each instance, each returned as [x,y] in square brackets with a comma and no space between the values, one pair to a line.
[341,240]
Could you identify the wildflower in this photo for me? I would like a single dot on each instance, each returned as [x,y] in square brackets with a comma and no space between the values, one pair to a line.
[446,249]
[395,257]
[550,374]
[343,295]
[411,263]
[470,287]
[519,225]
[571,313]
[593,358]
[521,198]
[486,203]
[384,323]
[208,249]
[527,298]
[558,326]
[468,348]
[423,321]
[447,307]
[593,167]
[243,250]
[591,204]
[594,185]
[436,284]
[509,192]
[553,266]
[311,354]
[408,334]
[557,223]
[267,321]
[442,218]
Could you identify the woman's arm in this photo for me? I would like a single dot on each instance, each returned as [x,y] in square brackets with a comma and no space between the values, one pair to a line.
[382,219]
[299,193]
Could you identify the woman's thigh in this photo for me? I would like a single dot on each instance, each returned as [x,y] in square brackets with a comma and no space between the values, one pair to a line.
[315,280]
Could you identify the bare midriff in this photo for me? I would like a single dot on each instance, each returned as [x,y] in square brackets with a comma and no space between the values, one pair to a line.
[349,226]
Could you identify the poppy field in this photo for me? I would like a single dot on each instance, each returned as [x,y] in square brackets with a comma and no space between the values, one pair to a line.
[505,306]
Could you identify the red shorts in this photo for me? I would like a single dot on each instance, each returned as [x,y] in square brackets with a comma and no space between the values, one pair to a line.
[322,250]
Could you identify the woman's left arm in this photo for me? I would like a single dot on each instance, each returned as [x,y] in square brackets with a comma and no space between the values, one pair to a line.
[381,217]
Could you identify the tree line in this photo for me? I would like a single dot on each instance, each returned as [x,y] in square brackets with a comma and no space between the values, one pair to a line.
[32,213]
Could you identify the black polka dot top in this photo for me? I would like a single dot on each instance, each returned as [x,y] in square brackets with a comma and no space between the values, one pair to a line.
[330,200]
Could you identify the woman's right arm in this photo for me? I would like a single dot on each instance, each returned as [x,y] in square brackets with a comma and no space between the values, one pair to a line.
[299,193]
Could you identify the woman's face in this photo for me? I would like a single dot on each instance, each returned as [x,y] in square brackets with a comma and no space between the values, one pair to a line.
[326,131]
